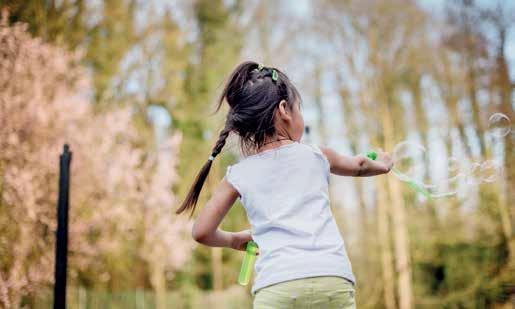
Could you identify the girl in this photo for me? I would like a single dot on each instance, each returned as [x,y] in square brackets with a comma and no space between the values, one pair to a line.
[283,185]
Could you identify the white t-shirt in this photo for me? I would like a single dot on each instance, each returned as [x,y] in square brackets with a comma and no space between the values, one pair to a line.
[285,193]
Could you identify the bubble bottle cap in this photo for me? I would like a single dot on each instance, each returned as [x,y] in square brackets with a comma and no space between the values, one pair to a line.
[372,155]
[252,247]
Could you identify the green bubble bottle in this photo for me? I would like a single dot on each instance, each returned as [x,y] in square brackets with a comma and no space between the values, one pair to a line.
[248,263]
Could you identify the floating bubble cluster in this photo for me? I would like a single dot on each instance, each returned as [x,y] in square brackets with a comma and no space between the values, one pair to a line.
[410,165]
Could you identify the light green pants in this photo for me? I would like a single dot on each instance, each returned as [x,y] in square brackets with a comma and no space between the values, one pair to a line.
[314,292]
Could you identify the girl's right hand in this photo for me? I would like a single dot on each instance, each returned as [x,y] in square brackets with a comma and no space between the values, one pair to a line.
[384,158]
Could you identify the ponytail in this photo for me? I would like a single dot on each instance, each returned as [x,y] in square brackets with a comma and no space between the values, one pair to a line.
[236,84]
[191,199]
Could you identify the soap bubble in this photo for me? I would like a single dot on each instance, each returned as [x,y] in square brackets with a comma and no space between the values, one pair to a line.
[444,188]
[409,159]
[499,125]
[489,171]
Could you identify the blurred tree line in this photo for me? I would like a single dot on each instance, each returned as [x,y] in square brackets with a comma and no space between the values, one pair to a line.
[395,70]
[435,79]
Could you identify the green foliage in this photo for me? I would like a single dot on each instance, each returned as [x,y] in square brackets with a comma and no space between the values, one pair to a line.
[460,271]
[62,22]
[109,40]
[105,41]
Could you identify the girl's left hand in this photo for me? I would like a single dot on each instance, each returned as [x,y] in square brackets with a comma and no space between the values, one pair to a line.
[239,240]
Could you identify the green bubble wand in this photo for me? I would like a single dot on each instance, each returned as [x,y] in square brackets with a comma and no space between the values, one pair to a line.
[248,263]
[372,155]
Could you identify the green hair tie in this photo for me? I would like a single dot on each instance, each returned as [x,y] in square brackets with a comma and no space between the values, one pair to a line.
[275,76]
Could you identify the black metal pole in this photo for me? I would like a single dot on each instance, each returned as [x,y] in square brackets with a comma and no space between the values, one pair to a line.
[61,245]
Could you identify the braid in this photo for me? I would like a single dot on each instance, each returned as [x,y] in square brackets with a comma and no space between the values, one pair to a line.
[191,199]
[220,143]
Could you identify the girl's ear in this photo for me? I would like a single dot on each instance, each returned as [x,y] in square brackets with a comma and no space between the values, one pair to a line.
[284,111]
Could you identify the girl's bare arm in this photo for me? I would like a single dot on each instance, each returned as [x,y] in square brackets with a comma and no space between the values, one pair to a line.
[205,229]
[357,166]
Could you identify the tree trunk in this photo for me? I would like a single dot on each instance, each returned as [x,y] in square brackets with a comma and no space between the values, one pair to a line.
[352,131]
[321,119]
[159,283]
[474,104]
[402,255]
[383,231]
[507,197]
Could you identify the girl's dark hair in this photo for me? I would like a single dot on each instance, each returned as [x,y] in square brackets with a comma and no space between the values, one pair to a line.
[253,93]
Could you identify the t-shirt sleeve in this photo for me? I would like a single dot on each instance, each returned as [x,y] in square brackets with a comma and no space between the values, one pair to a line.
[232,177]
[322,157]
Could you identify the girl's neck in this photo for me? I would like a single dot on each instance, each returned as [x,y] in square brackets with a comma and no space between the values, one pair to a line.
[275,142]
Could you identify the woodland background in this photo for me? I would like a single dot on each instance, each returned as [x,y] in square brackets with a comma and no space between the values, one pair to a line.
[131,85]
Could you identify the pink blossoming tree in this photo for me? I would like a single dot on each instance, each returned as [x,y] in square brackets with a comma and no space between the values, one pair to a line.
[121,198]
